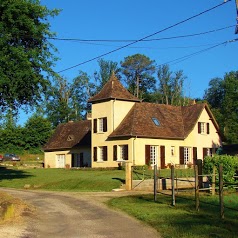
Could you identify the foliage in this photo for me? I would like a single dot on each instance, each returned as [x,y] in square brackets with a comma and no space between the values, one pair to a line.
[105,70]
[25,55]
[68,101]
[138,70]
[222,95]
[36,132]
[171,87]
[229,164]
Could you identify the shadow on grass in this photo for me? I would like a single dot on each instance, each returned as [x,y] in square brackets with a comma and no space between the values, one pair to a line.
[121,180]
[9,173]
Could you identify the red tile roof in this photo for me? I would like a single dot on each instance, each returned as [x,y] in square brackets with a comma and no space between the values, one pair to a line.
[175,122]
[113,89]
[68,135]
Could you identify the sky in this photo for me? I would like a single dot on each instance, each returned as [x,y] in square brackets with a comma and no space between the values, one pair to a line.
[137,19]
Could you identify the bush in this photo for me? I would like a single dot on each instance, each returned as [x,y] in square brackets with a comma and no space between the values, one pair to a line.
[229,163]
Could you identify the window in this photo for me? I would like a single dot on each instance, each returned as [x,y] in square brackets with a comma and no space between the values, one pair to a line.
[153,154]
[203,128]
[156,121]
[207,152]
[186,155]
[172,150]
[123,152]
[100,125]
[102,153]
[60,161]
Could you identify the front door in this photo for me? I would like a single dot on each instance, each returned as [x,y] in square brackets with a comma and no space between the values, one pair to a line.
[60,161]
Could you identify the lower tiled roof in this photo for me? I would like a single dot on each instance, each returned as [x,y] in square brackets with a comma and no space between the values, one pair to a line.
[68,135]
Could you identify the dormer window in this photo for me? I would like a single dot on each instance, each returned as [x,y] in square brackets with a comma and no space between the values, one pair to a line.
[156,121]
[70,138]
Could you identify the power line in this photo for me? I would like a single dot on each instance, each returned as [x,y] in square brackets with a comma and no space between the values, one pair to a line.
[178,60]
[125,46]
[156,39]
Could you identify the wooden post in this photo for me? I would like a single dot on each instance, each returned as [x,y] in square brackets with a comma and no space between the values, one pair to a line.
[196,188]
[214,181]
[128,176]
[176,181]
[155,182]
[158,176]
[200,178]
[172,185]
[221,198]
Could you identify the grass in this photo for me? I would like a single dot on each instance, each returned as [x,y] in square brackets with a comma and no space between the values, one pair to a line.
[62,179]
[182,221]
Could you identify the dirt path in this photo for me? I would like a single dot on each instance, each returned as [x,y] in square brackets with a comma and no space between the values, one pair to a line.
[73,215]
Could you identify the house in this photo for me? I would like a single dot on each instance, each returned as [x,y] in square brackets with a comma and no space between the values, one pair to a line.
[70,145]
[125,129]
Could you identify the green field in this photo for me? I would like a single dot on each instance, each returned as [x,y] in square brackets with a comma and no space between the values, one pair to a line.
[62,179]
[182,221]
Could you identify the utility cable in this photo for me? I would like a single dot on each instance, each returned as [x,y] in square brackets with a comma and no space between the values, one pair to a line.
[146,40]
[178,60]
[125,46]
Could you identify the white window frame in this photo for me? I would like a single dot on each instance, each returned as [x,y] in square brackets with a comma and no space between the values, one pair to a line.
[187,155]
[153,154]
[122,151]
[100,124]
[203,128]
[100,154]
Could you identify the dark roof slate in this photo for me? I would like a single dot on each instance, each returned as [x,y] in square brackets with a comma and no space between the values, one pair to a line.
[176,122]
[68,135]
[113,89]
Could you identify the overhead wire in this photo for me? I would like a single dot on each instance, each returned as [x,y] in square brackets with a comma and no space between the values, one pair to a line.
[180,59]
[145,40]
[148,36]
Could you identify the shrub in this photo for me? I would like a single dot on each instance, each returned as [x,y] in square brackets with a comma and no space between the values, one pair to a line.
[229,163]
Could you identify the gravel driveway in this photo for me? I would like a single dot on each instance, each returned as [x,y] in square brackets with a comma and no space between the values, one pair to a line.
[74,215]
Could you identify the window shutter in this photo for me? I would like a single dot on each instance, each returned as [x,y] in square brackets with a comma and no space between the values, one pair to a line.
[94,154]
[181,155]
[126,152]
[162,157]
[199,127]
[195,156]
[204,152]
[147,154]
[208,128]
[115,152]
[104,124]
[94,125]
[104,153]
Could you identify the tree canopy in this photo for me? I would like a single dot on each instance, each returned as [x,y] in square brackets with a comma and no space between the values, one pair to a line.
[26,54]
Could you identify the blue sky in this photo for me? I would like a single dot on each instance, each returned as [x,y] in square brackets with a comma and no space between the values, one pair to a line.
[135,19]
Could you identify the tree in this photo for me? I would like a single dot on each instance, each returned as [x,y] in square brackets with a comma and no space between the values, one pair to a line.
[26,54]
[222,95]
[106,67]
[36,132]
[138,70]
[171,86]
[68,101]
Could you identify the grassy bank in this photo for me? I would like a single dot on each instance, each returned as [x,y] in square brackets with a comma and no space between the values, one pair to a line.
[182,221]
[61,179]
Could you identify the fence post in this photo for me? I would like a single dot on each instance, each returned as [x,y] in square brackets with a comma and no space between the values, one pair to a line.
[200,178]
[155,182]
[128,176]
[221,198]
[196,188]
[214,181]
[158,176]
[172,185]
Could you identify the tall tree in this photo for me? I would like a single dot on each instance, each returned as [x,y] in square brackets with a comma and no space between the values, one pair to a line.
[106,67]
[222,95]
[68,101]
[26,54]
[138,70]
[171,86]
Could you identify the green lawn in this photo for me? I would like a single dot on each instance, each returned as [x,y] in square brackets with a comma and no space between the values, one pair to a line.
[62,179]
[182,221]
